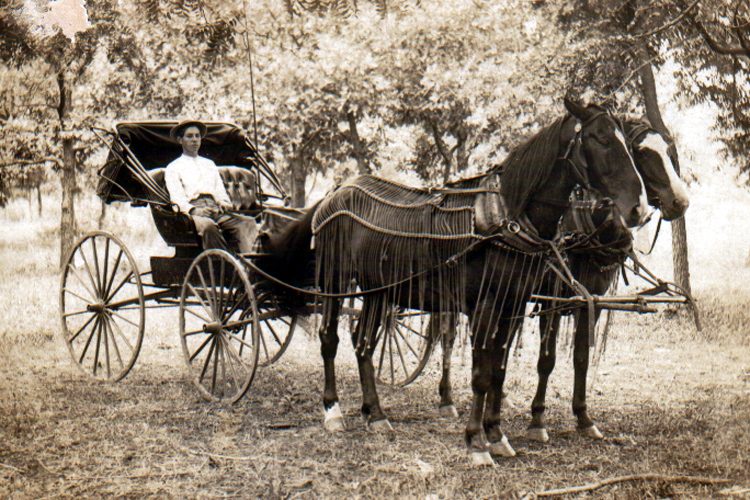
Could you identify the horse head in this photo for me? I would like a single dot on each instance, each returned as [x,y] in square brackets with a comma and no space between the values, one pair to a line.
[656,159]
[601,160]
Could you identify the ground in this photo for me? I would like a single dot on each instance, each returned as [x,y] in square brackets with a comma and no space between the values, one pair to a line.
[669,400]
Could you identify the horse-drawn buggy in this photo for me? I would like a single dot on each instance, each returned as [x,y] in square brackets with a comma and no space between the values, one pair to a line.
[546,226]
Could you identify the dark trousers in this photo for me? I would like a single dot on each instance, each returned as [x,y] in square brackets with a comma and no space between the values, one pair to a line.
[240,229]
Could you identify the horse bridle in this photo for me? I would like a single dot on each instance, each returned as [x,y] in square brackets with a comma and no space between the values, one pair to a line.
[573,151]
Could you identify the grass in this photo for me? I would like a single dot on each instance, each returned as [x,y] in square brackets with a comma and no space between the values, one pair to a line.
[668,399]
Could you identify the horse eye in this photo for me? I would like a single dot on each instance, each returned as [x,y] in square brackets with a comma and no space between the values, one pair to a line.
[604,141]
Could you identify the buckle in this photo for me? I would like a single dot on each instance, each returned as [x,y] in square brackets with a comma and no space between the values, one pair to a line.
[514,227]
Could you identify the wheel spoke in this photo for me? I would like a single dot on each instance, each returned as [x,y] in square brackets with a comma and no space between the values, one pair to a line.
[208,359]
[115,313]
[78,296]
[216,366]
[88,341]
[106,345]
[200,348]
[205,307]
[122,336]
[119,286]
[73,337]
[242,341]
[106,266]
[96,264]
[115,267]
[398,330]
[98,345]
[382,353]
[232,369]
[113,340]
[265,348]
[221,287]
[75,313]
[207,320]
[223,363]
[414,331]
[273,332]
[82,282]
[88,271]
[400,354]
[390,353]
[205,287]
[235,306]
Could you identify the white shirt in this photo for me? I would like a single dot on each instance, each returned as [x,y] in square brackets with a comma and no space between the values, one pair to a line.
[187,178]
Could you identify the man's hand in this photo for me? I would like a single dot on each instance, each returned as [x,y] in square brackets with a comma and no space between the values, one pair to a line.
[205,211]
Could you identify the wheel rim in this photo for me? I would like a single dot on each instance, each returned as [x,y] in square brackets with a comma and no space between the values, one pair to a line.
[219,326]
[102,307]
[405,345]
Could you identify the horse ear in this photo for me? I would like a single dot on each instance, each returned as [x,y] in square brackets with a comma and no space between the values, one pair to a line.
[577,109]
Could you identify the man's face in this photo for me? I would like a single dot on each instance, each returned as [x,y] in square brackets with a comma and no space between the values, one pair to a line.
[190,141]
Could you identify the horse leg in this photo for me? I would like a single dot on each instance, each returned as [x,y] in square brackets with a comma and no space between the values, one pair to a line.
[549,327]
[499,444]
[364,342]
[581,365]
[481,380]
[329,341]
[446,328]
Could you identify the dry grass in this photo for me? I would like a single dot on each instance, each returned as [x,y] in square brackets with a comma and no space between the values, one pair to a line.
[669,401]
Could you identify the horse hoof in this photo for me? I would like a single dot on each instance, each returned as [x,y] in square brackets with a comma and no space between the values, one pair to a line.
[335,425]
[482,459]
[448,411]
[381,426]
[502,448]
[591,432]
[538,434]
[334,420]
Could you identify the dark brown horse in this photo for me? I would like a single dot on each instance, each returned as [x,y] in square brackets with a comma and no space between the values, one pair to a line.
[418,249]
[595,266]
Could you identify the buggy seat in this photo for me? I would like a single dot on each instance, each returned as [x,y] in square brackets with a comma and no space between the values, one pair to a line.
[178,230]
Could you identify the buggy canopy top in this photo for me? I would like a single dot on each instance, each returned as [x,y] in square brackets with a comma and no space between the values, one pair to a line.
[138,147]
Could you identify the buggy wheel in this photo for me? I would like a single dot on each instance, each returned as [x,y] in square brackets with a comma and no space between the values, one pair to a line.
[102,307]
[406,343]
[219,326]
[276,328]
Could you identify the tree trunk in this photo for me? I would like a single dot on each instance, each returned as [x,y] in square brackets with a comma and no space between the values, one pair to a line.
[462,155]
[299,178]
[357,146]
[443,150]
[68,180]
[680,262]
[39,198]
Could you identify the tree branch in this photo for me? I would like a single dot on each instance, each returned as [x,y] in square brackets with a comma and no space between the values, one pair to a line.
[21,163]
[669,24]
[715,45]
[635,477]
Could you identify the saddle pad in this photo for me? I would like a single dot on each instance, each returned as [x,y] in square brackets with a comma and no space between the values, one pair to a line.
[390,208]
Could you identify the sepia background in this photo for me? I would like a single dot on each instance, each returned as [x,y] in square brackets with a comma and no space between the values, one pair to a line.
[421,92]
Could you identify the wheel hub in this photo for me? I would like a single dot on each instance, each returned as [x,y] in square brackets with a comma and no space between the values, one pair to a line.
[97,307]
[214,327]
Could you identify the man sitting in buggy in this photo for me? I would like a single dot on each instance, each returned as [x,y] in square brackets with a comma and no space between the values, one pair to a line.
[196,187]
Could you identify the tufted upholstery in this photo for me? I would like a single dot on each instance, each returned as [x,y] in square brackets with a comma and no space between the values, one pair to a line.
[239,182]
[177,229]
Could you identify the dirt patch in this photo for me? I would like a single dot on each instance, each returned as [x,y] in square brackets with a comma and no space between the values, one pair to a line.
[665,407]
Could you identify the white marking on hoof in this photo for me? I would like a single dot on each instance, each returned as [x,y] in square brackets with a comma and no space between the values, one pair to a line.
[448,411]
[482,459]
[538,434]
[381,426]
[502,448]
[591,432]
[333,419]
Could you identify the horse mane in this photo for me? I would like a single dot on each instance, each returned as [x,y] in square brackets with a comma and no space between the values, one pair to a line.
[528,166]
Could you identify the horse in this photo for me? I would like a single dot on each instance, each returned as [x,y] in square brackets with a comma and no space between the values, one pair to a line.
[595,265]
[419,249]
